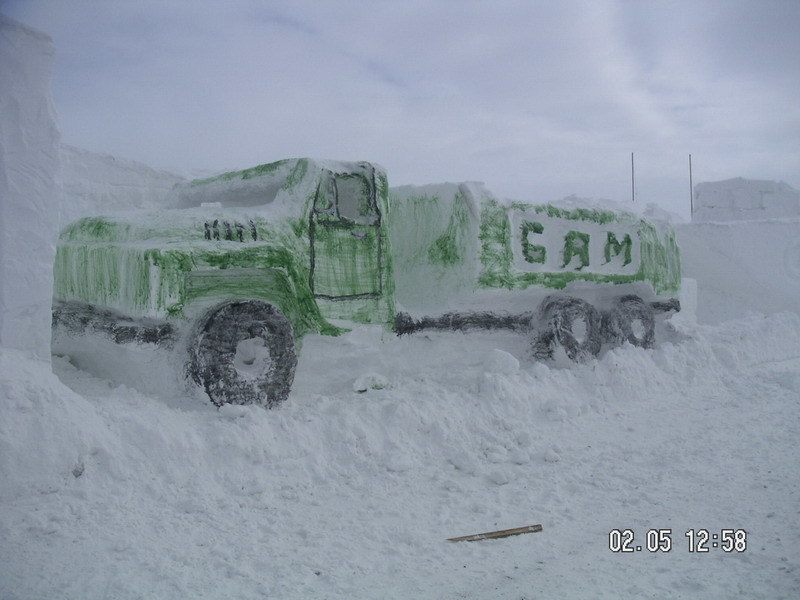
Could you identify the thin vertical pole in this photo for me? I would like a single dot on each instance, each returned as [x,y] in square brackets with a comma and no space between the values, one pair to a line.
[691,188]
[633,184]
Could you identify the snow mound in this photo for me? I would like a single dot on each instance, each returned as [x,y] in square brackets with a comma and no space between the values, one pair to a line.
[47,431]
[346,495]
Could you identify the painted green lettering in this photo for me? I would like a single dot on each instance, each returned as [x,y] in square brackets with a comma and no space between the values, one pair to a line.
[612,245]
[576,244]
[533,253]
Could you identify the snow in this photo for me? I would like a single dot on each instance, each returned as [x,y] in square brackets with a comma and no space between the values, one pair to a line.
[109,492]
[742,267]
[30,199]
[95,182]
[741,199]
[389,445]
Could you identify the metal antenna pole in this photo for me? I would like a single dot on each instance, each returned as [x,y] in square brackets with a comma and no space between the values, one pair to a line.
[633,184]
[691,188]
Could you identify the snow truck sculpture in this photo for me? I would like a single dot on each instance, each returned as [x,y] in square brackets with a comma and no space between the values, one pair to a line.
[240,267]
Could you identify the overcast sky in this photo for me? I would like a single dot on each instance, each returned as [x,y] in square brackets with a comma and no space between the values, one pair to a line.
[538,99]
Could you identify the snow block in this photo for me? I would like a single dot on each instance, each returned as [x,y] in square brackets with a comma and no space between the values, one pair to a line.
[744,200]
[30,190]
[742,267]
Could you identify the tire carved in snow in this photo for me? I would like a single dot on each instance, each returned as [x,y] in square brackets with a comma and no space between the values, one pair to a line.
[569,323]
[631,320]
[244,354]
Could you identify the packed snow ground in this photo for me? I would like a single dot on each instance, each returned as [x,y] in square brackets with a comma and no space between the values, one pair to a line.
[110,493]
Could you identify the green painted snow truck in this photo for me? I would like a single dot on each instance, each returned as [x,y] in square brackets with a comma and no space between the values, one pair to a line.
[235,270]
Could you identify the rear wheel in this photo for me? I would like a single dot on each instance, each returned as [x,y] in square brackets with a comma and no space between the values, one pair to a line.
[244,353]
[571,324]
[631,320]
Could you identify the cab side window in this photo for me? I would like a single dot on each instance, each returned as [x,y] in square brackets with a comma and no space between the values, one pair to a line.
[346,197]
[354,199]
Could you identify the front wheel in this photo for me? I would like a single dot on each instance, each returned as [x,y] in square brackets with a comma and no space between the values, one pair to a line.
[243,353]
[571,324]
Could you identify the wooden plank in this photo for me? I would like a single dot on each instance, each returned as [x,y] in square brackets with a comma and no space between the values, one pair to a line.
[490,535]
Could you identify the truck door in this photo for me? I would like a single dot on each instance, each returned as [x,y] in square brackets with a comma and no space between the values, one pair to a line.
[345,235]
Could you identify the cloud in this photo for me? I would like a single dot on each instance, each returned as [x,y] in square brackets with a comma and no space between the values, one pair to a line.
[537,99]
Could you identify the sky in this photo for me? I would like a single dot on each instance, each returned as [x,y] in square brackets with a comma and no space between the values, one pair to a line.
[537,99]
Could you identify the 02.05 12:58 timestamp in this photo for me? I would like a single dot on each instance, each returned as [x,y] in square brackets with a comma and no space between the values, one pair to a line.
[727,540]
[660,540]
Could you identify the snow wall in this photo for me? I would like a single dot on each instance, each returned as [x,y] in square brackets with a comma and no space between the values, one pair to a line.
[45,185]
[743,248]
[99,183]
[744,200]
[30,189]
[742,267]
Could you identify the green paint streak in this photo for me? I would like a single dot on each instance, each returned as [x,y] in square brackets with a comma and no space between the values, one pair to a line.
[278,273]
[346,259]
[661,264]
[444,251]
[533,253]
[273,285]
[559,281]
[599,216]
[112,276]
[95,229]
[576,243]
[386,306]
[160,282]
[257,171]
[413,229]
[434,245]
[297,174]
[612,245]
[496,252]
[448,250]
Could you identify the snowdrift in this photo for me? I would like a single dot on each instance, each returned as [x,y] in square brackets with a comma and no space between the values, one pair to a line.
[339,494]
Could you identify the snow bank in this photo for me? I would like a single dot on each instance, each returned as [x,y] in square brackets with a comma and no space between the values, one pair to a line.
[744,199]
[351,494]
[99,183]
[46,429]
[30,195]
[742,267]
